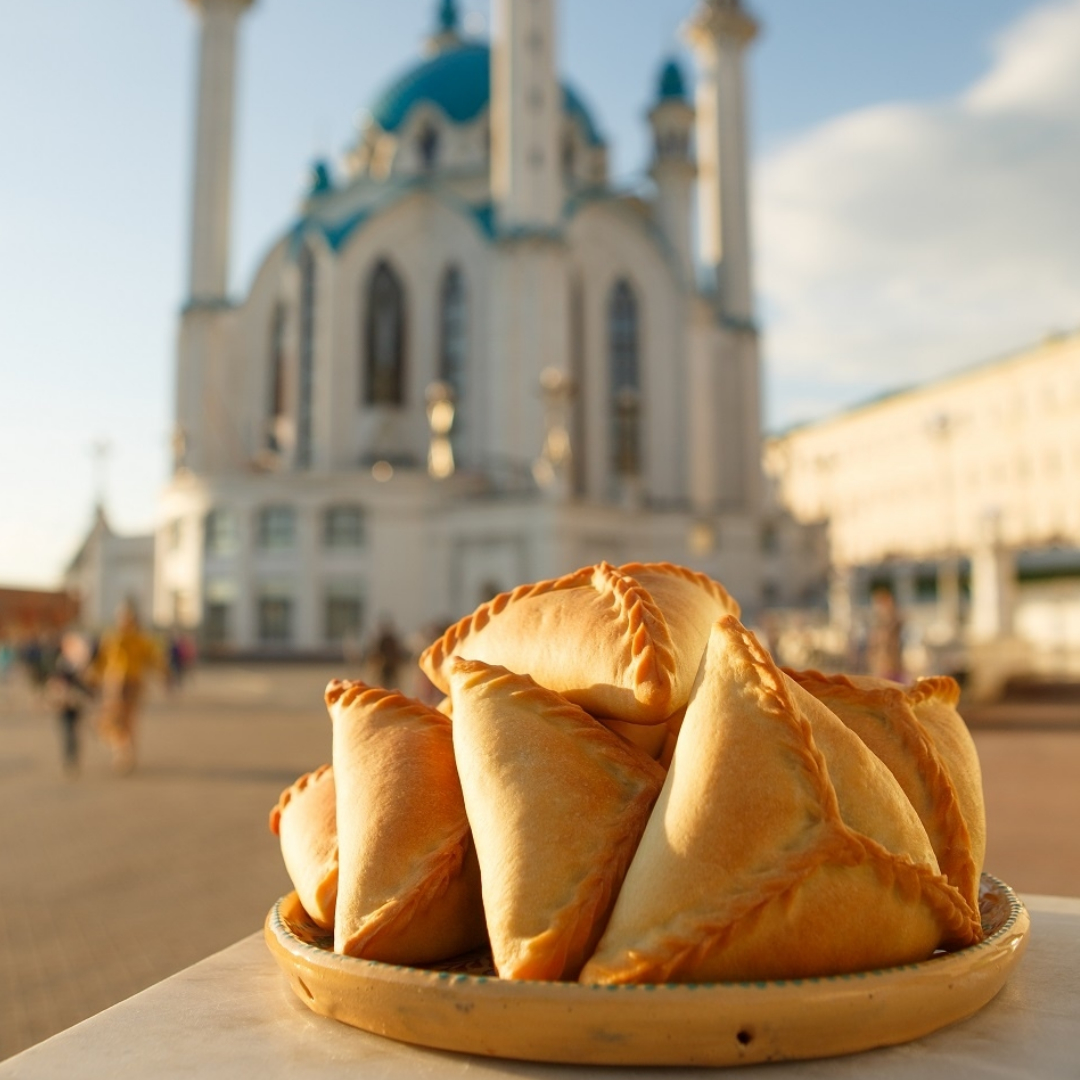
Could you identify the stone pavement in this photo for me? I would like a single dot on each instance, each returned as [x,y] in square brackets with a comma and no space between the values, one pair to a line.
[109,884]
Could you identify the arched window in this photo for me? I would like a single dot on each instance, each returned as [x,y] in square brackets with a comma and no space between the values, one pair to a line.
[306,371]
[384,364]
[452,330]
[275,405]
[569,159]
[625,376]
[428,145]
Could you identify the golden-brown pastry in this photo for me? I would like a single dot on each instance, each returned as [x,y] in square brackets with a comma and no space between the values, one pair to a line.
[691,603]
[557,804]
[305,820]
[647,737]
[673,725]
[780,846]
[883,715]
[409,884]
[597,636]
[934,701]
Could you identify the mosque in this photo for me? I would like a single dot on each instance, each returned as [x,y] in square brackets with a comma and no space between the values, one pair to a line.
[471,360]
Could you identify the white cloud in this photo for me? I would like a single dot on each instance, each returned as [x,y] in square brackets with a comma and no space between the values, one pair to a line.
[902,241]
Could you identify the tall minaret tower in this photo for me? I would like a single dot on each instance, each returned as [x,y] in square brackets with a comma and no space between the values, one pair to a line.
[526,112]
[212,181]
[530,289]
[672,120]
[719,32]
[199,442]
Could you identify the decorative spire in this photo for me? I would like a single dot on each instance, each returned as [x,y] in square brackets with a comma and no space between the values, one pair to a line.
[720,19]
[319,181]
[448,17]
[672,83]
[447,31]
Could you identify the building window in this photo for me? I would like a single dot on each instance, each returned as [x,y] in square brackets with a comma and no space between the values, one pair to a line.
[384,366]
[428,145]
[344,612]
[276,528]
[219,530]
[569,160]
[217,619]
[306,371]
[625,375]
[343,527]
[275,610]
[276,398]
[175,534]
[453,327]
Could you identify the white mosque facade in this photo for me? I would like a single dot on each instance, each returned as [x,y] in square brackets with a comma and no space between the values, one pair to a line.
[471,361]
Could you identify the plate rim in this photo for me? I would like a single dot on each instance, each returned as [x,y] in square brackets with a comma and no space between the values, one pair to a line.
[278,924]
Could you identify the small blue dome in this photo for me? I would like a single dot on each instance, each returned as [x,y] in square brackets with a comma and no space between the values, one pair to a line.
[458,80]
[672,83]
[319,180]
[448,16]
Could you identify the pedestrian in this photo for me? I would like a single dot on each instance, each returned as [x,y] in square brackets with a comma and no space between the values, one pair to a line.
[387,655]
[124,658]
[884,642]
[69,693]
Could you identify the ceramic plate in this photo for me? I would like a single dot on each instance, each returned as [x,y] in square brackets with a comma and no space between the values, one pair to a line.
[464,1006]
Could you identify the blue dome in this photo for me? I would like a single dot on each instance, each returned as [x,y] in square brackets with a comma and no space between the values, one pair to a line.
[672,83]
[458,80]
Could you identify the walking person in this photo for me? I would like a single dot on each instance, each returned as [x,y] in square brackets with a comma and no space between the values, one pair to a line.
[70,695]
[124,658]
[885,640]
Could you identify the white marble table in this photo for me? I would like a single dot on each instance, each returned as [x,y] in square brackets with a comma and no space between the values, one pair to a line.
[233,1015]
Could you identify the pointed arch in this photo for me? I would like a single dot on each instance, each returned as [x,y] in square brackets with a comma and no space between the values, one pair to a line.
[453,329]
[384,338]
[624,379]
[306,367]
[275,398]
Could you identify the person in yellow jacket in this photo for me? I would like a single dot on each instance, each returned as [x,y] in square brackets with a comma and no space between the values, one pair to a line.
[125,656]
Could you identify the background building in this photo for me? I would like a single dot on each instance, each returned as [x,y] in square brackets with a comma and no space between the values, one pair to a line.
[963,496]
[469,362]
[110,569]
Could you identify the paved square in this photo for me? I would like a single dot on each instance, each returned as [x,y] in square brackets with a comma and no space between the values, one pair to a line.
[109,884]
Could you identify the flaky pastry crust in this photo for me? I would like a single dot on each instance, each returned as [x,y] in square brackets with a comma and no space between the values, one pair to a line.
[557,805]
[881,713]
[598,636]
[779,847]
[305,820]
[409,889]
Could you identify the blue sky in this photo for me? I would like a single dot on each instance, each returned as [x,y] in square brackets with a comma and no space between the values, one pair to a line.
[914,167]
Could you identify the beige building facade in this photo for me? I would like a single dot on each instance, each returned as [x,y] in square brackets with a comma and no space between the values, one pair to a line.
[961,495]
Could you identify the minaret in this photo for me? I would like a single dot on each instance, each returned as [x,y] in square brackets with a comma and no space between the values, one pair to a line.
[530,288]
[201,440]
[211,187]
[526,112]
[719,32]
[672,120]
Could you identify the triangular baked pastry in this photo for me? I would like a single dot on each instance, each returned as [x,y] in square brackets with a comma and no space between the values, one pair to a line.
[409,884]
[305,820]
[597,636]
[691,603]
[934,701]
[780,846]
[557,804]
[881,714]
